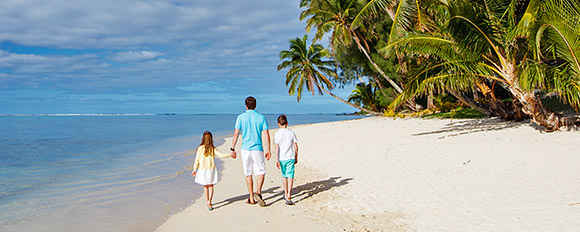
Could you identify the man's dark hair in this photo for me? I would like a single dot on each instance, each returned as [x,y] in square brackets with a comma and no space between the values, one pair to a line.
[251,103]
[282,120]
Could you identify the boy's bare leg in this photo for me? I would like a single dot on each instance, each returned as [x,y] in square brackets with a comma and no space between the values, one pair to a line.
[250,185]
[289,192]
[285,184]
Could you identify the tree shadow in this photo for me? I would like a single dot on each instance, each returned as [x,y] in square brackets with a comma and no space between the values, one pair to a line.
[464,127]
[299,193]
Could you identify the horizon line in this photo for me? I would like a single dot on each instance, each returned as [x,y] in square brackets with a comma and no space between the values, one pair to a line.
[156,114]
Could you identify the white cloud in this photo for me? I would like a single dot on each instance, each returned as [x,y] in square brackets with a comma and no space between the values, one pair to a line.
[144,46]
[91,24]
[106,24]
[136,56]
[48,65]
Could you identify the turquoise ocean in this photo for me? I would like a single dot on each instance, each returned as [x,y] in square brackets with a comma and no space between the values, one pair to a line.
[105,172]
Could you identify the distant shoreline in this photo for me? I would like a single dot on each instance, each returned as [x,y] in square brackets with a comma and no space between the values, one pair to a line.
[161,114]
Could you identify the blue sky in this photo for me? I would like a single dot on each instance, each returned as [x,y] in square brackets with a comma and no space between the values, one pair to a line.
[154,56]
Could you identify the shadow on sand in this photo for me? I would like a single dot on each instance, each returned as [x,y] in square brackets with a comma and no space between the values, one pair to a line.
[473,126]
[299,193]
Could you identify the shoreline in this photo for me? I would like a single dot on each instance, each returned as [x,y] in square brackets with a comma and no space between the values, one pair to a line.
[117,178]
[384,174]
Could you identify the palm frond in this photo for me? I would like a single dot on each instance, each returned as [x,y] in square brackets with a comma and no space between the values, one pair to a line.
[303,62]
[470,28]
[529,17]
[563,32]
[556,65]
[403,20]
[419,44]
[373,7]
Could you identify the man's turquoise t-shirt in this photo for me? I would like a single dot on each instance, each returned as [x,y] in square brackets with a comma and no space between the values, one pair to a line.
[251,123]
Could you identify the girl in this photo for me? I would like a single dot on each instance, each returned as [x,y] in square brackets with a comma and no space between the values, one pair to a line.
[204,167]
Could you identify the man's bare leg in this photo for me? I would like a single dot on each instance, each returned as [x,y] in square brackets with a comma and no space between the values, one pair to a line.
[260,180]
[250,185]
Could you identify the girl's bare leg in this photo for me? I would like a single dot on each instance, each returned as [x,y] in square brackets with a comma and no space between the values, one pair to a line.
[206,192]
[210,195]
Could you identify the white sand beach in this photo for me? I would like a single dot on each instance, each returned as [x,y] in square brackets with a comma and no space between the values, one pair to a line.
[384,174]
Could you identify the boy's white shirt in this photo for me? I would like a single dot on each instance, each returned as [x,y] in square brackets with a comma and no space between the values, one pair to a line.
[285,139]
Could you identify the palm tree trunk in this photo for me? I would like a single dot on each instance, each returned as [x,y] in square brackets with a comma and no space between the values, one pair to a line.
[532,106]
[362,49]
[348,103]
[430,103]
[359,77]
[411,102]
[468,101]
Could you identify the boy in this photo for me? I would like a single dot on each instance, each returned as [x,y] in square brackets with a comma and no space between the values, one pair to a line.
[287,155]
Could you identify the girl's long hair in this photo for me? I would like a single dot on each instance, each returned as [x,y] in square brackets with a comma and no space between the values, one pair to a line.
[207,142]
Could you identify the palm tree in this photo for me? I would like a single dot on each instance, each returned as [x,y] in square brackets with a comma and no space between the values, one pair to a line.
[503,42]
[406,15]
[336,16]
[306,68]
[364,95]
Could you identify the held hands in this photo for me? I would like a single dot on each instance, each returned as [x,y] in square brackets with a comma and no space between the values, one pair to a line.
[234,154]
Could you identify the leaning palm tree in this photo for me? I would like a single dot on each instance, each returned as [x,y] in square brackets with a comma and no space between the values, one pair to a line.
[503,42]
[335,17]
[306,68]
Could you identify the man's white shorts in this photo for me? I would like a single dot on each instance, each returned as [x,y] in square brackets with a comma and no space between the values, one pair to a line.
[254,162]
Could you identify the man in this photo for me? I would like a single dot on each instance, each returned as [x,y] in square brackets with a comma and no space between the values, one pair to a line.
[252,125]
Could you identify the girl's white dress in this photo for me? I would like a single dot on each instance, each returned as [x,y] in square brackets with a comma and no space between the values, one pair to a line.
[205,166]
[206,177]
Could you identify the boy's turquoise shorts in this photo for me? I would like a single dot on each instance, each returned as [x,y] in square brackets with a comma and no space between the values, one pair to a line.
[287,168]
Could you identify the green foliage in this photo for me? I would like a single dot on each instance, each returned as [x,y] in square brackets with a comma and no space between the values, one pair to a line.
[461,112]
[371,97]
[385,97]
[330,16]
[364,95]
[491,40]
[394,114]
[556,67]
[446,103]
[335,17]
[306,67]
[463,47]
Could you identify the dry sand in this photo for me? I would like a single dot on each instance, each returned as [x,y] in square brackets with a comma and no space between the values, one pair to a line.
[381,174]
